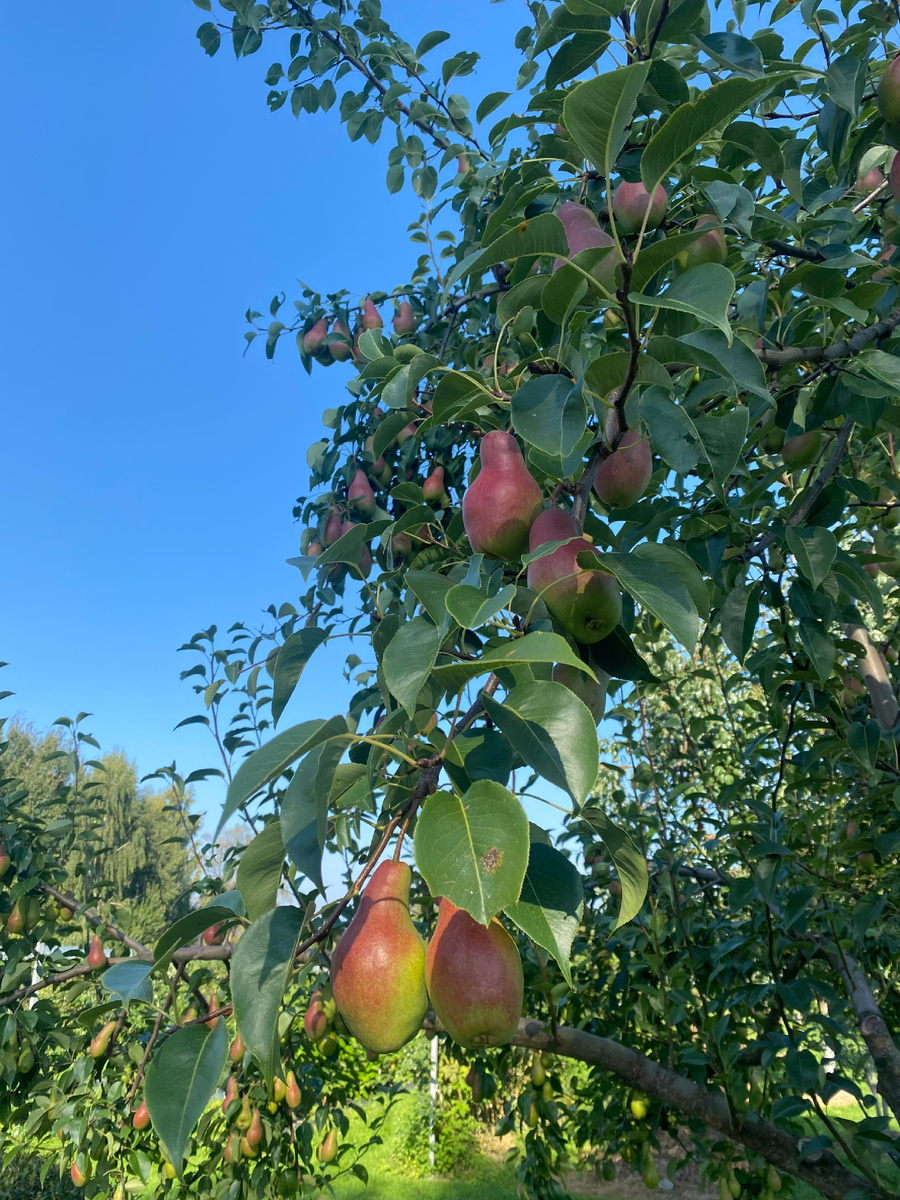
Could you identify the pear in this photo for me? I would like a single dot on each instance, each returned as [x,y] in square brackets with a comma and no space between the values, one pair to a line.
[100,1041]
[314,338]
[623,477]
[231,1092]
[232,1152]
[5,860]
[141,1118]
[632,200]
[474,978]
[328,1147]
[889,93]
[340,342]
[244,1117]
[279,1089]
[583,232]
[378,966]
[332,530]
[360,496]
[292,1091]
[96,955]
[404,322]
[371,317]
[212,936]
[16,921]
[237,1050]
[500,506]
[315,1023]
[434,491]
[894,177]
[80,1171]
[803,449]
[255,1129]
[867,183]
[587,603]
[709,248]
[592,694]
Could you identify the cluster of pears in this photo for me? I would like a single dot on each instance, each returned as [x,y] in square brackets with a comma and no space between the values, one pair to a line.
[504,516]
[383,973]
[338,344]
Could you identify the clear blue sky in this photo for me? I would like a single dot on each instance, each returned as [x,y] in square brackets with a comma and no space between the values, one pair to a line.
[148,468]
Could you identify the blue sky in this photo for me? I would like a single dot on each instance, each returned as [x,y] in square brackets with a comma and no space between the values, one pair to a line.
[149,469]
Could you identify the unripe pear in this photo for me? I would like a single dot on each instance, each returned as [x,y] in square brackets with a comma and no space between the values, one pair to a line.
[501,505]
[231,1092]
[866,861]
[360,496]
[615,887]
[538,1074]
[25,1061]
[802,449]
[329,1045]
[474,978]
[332,529]
[583,232]
[292,1091]
[328,1147]
[100,1041]
[889,93]
[315,1023]
[232,1152]
[894,177]
[96,955]
[340,345]
[401,545]
[5,860]
[15,922]
[405,433]
[631,201]
[404,322]
[371,317]
[32,912]
[590,692]
[66,914]
[237,1050]
[244,1117]
[649,1172]
[434,491]
[314,338]
[141,1118]
[588,603]
[211,936]
[378,966]
[80,1171]
[169,1171]
[255,1129]
[623,477]
[248,1150]
[639,1108]
[709,248]
[773,1179]
[279,1089]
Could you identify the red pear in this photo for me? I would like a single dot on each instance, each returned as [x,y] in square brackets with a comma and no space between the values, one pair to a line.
[587,603]
[314,338]
[80,1171]
[255,1129]
[630,203]
[292,1091]
[360,496]
[15,922]
[5,860]
[404,322]
[583,232]
[315,1023]
[237,1049]
[371,317]
[378,966]
[406,432]
[474,978]
[709,248]
[434,491]
[503,501]
[332,529]
[340,343]
[100,1041]
[211,936]
[96,956]
[141,1118]
[889,92]
[867,183]
[231,1092]
[623,477]
[894,177]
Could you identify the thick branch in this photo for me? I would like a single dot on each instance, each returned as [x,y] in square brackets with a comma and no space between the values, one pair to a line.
[876,678]
[843,349]
[781,247]
[872,1026]
[820,1168]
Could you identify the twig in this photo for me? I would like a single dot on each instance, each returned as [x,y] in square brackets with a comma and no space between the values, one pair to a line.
[842,349]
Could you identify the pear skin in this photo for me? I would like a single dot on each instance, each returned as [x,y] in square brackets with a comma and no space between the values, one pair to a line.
[474,978]
[587,603]
[378,966]
[632,200]
[583,232]
[623,477]
[500,506]
[360,496]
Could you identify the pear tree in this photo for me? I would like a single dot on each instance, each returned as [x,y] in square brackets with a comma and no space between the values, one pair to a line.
[620,452]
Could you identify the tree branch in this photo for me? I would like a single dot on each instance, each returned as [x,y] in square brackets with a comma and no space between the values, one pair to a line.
[843,349]
[876,678]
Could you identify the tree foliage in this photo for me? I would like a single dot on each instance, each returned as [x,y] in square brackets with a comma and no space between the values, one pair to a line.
[724,965]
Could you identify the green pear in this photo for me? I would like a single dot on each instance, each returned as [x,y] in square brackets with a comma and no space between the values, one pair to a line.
[889,92]
[803,449]
[588,603]
[632,200]
[378,966]
[500,506]
[474,978]
[623,477]
[710,247]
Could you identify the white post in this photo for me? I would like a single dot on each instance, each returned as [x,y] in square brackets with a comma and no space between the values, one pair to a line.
[432,1091]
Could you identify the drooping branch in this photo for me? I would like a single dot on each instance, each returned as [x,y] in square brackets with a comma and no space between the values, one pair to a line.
[872,1026]
[876,678]
[819,1168]
[843,349]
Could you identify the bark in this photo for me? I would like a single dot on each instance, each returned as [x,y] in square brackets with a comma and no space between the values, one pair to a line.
[876,678]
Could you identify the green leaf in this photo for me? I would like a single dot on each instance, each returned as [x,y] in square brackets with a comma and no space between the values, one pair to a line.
[815,550]
[615,654]
[691,124]
[864,741]
[292,658]
[682,441]
[543,234]
[304,809]
[224,908]
[181,1079]
[489,104]
[268,762]
[260,966]
[549,412]
[474,849]
[550,908]
[475,754]
[431,590]
[430,40]
[597,113]
[129,981]
[388,428]
[881,366]
[820,647]
[533,648]
[630,864]
[574,56]
[705,292]
[409,659]
[678,563]
[738,618]
[259,871]
[470,608]
[553,731]
[656,588]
